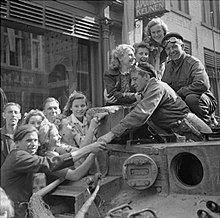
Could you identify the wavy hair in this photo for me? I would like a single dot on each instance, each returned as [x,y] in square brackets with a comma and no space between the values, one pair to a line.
[75,95]
[6,205]
[153,22]
[44,137]
[117,53]
[32,113]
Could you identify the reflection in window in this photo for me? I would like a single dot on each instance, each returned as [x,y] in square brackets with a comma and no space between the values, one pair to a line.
[34,67]
[36,51]
[211,19]
[83,74]
[11,47]
[180,5]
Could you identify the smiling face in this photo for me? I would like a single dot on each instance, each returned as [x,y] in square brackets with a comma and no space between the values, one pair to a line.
[79,108]
[128,58]
[29,143]
[67,132]
[35,121]
[12,115]
[174,50]
[54,138]
[157,33]
[142,54]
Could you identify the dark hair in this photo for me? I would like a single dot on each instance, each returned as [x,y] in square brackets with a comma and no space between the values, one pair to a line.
[140,45]
[75,95]
[50,99]
[146,67]
[22,131]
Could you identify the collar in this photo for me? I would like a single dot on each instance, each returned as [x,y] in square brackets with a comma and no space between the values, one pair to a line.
[124,73]
[76,121]
[5,132]
[146,87]
[177,62]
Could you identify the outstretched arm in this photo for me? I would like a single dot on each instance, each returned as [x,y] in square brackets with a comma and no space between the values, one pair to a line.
[80,171]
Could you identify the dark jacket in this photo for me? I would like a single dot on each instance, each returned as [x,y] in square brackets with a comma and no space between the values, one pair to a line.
[187,76]
[17,175]
[113,85]
[7,143]
[160,103]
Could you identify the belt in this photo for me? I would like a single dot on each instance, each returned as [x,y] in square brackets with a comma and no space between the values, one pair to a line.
[185,126]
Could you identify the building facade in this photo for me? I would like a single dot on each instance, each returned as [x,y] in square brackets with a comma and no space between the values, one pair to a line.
[50,48]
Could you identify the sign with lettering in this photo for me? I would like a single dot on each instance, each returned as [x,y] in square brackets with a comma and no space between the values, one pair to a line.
[147,8]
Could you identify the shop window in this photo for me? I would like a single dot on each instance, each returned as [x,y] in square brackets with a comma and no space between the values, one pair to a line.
[83,74]
[180,6]
[52,64]
[36,51]
[11,47]
[211,13]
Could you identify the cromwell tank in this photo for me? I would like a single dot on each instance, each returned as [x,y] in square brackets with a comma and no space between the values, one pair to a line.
[145,174]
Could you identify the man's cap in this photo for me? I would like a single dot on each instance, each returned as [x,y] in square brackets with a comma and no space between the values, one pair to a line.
[171,37]
[148,68]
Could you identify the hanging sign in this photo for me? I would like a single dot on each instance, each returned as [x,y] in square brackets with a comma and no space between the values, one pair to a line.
[148,8]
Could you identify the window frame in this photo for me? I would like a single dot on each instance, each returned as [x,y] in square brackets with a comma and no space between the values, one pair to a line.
[5,50]
[206,14]
[180,7]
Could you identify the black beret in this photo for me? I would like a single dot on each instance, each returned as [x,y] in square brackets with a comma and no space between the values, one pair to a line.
[171,34]
[149,68]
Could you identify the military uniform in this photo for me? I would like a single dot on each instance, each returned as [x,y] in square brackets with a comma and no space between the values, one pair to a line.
[161,104]
[188,77]
[7,143]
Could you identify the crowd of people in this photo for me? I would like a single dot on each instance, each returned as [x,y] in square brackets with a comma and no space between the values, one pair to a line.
[161,83]
[57,145]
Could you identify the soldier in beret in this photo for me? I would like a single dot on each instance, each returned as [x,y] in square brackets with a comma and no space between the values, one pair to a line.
[187,76]
[162,105]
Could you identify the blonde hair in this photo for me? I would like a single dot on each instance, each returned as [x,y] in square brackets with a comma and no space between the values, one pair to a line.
[33,113]
[153,22]
[117,53]
[44,137]
[6,205]
[44,133]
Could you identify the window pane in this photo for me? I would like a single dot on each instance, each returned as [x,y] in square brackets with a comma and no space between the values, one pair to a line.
[83,75]
[46,65]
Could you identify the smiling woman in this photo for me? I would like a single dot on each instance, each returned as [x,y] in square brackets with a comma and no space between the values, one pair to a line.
[154,32]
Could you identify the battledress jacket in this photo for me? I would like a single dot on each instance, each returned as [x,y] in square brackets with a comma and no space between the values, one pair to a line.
[160,103]
[187,76]
[7,144]
[17,174]
[114,82]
